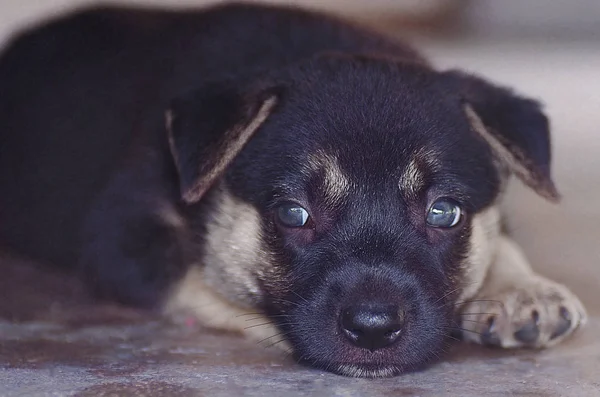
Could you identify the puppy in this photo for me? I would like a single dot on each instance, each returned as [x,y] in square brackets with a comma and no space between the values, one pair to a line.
[247,159]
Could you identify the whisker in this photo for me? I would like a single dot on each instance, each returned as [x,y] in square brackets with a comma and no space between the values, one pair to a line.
[475,314]
[440,332]
[446,294]
[473,321]
[254,318]
[249,314]
[274,343]
[272,336]
[288,354]
[259,325]
[454,338]
[272,323]
[464,329]
[285,301]
[478,300]
[298,295]
[265,317]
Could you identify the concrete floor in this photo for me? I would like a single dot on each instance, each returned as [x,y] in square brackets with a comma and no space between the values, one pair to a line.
[54,342]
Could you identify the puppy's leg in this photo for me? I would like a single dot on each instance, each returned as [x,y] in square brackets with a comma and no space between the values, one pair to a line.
[517,307]
[134,240]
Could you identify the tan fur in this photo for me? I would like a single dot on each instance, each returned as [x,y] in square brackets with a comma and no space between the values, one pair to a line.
[485,230]
[430,157]
[336,183]
[412,179]
[233,253]
[193,297]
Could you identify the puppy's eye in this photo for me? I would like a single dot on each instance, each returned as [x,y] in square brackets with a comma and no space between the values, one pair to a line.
[444,213]
[292,215]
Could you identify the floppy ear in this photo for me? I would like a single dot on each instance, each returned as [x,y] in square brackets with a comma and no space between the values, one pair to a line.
[208,128]
[515,128]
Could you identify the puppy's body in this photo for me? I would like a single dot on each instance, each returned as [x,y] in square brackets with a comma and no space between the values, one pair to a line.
[284,116]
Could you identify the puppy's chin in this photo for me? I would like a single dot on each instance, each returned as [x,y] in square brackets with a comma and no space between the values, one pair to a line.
[365,370]
[368,369]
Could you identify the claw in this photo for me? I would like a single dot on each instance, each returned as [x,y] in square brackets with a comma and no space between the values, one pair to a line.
[490,337]
[564,325]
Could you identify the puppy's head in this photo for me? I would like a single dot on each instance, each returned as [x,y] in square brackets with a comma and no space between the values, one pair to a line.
[355,203]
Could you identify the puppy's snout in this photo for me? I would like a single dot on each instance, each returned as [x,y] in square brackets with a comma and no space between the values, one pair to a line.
[372,326]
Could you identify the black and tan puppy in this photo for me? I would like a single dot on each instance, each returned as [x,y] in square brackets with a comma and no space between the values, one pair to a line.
[242,158]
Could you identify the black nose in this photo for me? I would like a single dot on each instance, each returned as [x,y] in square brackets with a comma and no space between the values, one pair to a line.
[372,326]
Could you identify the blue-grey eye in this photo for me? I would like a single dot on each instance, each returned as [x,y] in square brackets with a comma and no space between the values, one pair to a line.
[444,212]
[292,215]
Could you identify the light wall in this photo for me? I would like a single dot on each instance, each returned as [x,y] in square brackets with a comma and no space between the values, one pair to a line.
[14,14]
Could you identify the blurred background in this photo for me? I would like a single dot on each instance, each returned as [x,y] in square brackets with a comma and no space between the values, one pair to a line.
[549,50]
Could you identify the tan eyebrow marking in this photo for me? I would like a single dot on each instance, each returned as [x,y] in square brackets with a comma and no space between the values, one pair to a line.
[336,183]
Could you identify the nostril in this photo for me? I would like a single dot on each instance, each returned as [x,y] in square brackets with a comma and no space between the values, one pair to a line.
[392,333]
[372,326]
[353,334]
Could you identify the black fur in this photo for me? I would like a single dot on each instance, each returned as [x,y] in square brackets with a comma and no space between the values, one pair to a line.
[86,166]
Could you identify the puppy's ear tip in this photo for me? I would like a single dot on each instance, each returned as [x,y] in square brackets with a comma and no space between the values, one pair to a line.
[553,195]
[547,189]
[193,195]
[169,117]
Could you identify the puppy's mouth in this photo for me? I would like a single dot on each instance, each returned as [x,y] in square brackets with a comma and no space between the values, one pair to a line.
[367,365]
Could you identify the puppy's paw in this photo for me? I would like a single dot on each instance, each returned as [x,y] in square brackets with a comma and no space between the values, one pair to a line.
[537,314]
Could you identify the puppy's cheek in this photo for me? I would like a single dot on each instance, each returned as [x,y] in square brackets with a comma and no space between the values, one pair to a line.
[236,259]
[485,230]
